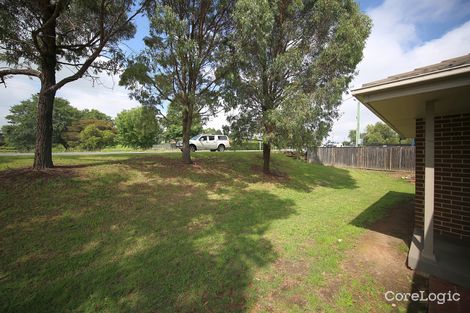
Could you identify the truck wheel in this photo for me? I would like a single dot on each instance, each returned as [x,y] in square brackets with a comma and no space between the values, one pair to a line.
[192,148]
[221,148]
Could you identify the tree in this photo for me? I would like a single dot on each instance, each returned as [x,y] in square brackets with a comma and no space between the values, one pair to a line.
[380,134]
[94,114]
[352,138]
[212,131]
[21,131]
[93,138]
[181,63]
[226,130]
[38,38]
[293,60]
[138,127]
[72,133]
[174,127]
[242,128]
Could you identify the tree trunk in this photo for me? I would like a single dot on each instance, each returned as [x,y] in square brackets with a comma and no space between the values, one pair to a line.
[187,121]
[43,151]
[266,157]
[48,63]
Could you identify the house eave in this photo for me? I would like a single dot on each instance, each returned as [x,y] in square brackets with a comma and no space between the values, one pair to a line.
[399,103]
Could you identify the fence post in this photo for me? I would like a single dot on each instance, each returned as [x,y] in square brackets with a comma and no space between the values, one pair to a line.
[399,162]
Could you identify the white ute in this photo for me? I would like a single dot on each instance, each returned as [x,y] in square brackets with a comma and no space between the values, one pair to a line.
[209,142]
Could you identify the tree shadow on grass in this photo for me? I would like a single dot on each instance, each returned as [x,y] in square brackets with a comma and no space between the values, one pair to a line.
[393,215]
[129,241]
[243,169]
[400,224]
[217,169]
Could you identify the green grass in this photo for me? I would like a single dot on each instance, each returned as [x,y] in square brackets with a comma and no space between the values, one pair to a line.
[134,233]
[60,148]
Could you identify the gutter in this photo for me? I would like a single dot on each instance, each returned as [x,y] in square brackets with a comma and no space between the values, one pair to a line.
[462,69]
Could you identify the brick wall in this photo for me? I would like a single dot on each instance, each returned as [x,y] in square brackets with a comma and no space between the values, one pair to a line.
[452,175]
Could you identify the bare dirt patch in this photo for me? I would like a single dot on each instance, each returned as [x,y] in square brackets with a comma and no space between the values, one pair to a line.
[380,255]
[290,275]
[293,268]
[382,250]
[407,176]
[273,176]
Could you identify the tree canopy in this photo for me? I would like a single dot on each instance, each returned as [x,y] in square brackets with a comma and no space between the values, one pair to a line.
[68,123]
[21,129]
[93,138]
[33,31]
[292,61]
[352,138]
[378,134]
[74,138]
[212,131]
[138,127]
[94,114]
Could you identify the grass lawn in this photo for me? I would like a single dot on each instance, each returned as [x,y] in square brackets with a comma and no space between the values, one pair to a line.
[145,233]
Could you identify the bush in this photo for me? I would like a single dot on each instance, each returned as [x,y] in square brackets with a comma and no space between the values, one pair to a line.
[246,145]
[58,148]
[7,149]
[73,133]
[138,128]
[92,138]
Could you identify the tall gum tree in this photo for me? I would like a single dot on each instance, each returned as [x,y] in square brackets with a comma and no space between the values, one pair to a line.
[292,61]
[182,61]
[38,38]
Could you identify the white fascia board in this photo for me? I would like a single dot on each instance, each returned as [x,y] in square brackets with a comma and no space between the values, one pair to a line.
[413,80]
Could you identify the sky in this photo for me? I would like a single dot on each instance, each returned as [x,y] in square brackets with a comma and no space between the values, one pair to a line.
[405,35]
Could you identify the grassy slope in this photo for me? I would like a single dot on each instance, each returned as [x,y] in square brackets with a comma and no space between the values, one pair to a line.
[147,234]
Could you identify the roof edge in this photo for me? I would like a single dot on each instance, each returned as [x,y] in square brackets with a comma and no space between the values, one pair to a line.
[462,69]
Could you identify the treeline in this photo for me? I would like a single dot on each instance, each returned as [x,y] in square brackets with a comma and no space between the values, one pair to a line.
[279,67]
[82,129]
[376,134]
[74,129]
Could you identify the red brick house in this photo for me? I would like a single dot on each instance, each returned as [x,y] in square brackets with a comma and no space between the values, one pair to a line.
[432,105]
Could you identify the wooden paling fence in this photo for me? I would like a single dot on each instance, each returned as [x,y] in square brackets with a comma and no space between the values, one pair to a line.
[397,158]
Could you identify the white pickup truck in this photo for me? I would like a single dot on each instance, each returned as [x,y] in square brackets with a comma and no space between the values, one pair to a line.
[207,142]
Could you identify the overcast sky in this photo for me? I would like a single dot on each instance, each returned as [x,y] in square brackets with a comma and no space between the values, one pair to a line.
[405,35]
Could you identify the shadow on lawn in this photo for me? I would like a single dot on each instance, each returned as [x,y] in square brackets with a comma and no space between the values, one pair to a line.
[240,170]
[121,245]
[235,168]
[400,225]
[393,215]
[145,234]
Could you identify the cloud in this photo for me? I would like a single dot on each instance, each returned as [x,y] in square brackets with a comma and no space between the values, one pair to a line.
[18,89]
[394,46]
[106,95]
